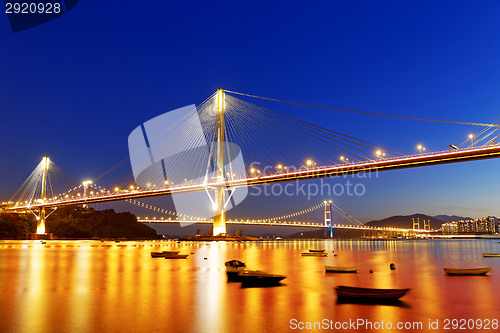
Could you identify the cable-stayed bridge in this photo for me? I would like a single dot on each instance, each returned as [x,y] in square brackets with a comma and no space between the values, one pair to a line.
[215,143]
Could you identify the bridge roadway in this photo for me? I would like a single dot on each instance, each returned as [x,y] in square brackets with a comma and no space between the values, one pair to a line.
[381,164]
[289,224]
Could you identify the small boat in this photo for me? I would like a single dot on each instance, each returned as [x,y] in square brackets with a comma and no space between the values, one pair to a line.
[316,250]
[339,269]
[162,254]
[467,271]
[176,256]
[233,268]
[370,293]
[258,278]
[314,254]
[491,254]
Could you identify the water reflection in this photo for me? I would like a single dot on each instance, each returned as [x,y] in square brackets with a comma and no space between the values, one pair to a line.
[74,286]
[379,302]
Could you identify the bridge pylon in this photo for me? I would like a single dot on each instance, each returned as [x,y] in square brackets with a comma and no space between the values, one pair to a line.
[427,225]
[416,224]
[219,226]
[328,217]
[40,226]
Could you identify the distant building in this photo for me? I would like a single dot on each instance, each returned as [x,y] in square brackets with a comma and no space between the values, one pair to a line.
[450,228]
[485,225]
[496,223]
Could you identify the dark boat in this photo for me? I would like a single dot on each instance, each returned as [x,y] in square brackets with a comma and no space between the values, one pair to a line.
[258,278]
[316,250]
[233,268]
[370,293]
[176,256]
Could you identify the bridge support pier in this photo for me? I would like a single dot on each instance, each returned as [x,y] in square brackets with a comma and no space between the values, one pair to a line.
[40,225]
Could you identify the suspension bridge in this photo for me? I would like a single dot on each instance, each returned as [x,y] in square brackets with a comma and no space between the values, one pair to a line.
[212,139]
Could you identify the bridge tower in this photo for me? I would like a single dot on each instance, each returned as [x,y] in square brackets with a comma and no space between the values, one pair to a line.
[85,187]
[328,217]
[416,225]
[219,226]
[40,226]
[427,225]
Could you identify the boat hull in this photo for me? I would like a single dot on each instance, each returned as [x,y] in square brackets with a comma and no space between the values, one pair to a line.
[162,254]
[491,255]
[176,256]
[467,271]
[338,269]
[370,293]
[234,276]
[256,278]
[314,254]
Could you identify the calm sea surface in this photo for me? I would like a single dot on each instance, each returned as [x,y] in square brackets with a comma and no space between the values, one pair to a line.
[93,286]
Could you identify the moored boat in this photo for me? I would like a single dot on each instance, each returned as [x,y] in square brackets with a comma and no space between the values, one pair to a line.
[467,271]
[176,256]
[370,293]
[491,254]
[258,278]
[162,254]
[339,269]
[316,250]
[233,268]
[314,254]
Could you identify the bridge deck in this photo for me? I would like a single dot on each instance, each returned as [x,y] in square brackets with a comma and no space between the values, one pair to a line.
[321,172]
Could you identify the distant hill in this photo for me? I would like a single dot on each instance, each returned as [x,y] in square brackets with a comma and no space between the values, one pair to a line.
[72,222]
[405,221]
[451,218]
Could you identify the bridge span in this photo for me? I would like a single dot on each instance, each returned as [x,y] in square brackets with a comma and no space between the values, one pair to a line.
[382,164]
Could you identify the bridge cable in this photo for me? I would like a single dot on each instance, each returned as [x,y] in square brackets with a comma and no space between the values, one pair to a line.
[366,112]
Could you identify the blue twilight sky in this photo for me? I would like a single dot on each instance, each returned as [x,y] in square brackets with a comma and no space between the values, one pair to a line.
[75,87]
